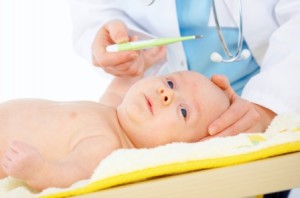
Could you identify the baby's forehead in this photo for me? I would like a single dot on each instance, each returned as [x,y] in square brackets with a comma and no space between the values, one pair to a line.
[189,76]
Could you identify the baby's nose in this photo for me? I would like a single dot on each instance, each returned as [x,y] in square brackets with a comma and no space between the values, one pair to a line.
[166,95]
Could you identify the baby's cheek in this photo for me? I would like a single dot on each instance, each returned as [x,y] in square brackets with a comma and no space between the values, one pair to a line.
[199,132]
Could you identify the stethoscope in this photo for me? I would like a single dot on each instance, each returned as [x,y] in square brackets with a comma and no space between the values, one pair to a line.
[239,54]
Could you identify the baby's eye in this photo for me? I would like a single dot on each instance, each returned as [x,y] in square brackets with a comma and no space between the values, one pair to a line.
[183,112]
[170,83]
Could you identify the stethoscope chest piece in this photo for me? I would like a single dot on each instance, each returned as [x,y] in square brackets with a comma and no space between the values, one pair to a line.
[240,53]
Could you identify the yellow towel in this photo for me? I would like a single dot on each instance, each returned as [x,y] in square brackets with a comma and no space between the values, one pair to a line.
[131,165]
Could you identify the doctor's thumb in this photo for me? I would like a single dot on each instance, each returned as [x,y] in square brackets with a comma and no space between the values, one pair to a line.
[118,31]
[223,83]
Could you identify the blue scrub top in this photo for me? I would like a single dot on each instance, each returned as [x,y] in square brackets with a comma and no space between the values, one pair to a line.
[193,16]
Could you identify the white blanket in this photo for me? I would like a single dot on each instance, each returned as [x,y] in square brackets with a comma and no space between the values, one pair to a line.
[283,129]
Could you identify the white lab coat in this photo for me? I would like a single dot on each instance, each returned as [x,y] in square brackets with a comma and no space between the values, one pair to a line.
[271,30]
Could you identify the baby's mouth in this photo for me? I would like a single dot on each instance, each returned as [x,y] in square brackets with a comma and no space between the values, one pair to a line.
[149,104]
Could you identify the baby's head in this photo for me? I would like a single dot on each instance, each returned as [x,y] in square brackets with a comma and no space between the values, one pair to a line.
[174,108]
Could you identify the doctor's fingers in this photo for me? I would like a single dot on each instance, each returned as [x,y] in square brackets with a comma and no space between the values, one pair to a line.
[117,31]
[105,59]
[129,69]
[154,56]
[113,59]
[111,33]
[223,83]
[238,108]
[137,66]
[243,125]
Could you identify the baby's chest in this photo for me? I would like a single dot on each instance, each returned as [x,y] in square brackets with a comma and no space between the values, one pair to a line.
[88,127]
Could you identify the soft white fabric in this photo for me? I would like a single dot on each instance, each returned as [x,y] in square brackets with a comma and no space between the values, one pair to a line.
[140,159]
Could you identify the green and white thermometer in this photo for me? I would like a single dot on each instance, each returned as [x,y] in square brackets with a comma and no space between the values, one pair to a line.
[144,44]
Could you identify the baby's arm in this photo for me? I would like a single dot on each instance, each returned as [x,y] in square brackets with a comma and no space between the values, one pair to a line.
[28,164]
[116,91]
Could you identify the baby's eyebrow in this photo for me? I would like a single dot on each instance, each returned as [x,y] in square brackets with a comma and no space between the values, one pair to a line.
[180,78]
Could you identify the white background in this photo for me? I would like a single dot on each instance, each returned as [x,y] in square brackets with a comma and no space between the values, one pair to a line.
[37,59]
[36,55]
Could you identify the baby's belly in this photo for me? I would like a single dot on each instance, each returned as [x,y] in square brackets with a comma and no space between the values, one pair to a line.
[51,138]
[53,128]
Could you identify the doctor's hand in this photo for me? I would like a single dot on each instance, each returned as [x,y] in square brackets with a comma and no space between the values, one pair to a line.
[241,116]
[127,63]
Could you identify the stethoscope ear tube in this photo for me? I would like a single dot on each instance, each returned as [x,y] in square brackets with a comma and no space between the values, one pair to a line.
[240,54]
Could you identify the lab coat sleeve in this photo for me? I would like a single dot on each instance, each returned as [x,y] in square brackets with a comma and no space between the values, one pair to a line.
[277,86]
[88,16]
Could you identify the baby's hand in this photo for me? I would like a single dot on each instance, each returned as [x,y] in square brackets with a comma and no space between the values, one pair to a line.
[22,161]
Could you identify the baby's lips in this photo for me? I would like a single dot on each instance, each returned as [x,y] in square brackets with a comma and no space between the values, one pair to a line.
[149,104]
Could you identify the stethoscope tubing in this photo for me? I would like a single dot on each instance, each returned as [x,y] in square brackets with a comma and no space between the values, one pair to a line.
[239,54]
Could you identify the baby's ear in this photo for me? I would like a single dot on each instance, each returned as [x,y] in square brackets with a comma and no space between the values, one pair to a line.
[223,83]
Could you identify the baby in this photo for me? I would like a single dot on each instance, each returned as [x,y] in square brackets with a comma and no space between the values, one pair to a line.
[54,144]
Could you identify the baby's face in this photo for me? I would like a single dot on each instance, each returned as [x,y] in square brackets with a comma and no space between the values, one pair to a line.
[173,108]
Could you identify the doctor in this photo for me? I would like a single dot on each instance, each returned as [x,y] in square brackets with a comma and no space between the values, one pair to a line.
[266,83]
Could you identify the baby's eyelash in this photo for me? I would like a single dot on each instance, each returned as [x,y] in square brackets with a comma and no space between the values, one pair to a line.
[171,83]
[183,110]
